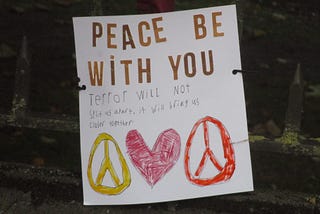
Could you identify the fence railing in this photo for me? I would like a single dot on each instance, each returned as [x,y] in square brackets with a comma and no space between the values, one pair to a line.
[20,115]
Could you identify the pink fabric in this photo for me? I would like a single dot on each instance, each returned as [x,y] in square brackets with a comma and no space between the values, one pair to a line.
[155,6]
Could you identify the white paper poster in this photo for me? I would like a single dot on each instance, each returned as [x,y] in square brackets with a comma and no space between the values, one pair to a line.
[162,117]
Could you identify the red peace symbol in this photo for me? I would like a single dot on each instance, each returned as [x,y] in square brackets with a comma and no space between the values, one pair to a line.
[226,171]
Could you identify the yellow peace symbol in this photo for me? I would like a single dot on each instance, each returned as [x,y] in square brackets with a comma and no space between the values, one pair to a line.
[106,164]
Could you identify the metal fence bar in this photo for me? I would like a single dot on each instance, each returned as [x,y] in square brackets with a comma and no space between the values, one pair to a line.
[97,8]
[22,82]
[294,111]
[42,121]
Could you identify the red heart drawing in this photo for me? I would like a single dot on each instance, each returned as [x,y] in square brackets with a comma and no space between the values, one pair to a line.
[154,164]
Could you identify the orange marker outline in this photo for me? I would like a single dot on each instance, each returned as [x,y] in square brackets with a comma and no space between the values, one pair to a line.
[226,171]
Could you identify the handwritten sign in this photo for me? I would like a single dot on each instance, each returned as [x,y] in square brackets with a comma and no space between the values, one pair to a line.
[162,117]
